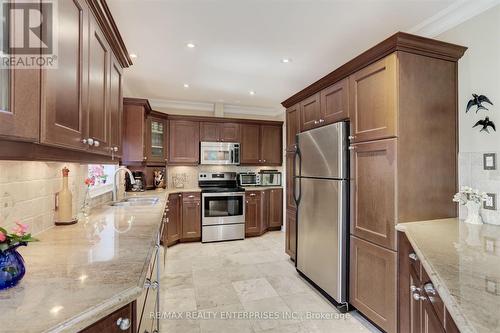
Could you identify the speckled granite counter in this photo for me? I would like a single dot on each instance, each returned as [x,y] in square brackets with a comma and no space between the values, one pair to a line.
[79,274]
[463,262]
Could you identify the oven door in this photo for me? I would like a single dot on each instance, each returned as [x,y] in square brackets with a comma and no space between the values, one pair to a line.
[223,208]
[219,153]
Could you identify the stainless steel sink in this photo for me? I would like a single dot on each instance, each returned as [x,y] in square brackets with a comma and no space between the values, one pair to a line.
[137,201]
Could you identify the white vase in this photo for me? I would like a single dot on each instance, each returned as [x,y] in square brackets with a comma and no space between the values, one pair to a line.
[473,216]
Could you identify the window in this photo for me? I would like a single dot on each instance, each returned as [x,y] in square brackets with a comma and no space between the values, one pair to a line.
[102,176]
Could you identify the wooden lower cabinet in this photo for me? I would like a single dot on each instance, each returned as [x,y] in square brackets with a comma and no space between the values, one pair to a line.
[275,208]
[174,225]
[373,284]
[421,309]
[253,216]
[191,217]
[291,233]
[109,323]
[263,211]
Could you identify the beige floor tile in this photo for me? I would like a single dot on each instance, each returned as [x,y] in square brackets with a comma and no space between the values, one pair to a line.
[184,326]
[179,300]
[273,312]
[288,328]
[243,272]
[225,321]
[209,277]
[287,284]
[171,281]
[254,289]
[308,302]
[215,296]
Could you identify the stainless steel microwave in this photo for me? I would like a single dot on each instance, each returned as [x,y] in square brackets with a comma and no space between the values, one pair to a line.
[220,153]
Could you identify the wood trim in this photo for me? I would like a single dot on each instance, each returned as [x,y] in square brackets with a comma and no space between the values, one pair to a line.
[138,101]
[27,151]
[225,120]
[400,41]
[108,26]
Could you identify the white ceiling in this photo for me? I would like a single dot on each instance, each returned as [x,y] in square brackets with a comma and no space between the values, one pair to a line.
[239,44]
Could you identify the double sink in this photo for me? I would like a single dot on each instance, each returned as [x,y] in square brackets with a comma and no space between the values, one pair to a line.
[136,201]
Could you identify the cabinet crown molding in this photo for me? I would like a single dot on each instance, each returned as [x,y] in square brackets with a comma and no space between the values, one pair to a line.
[400,41]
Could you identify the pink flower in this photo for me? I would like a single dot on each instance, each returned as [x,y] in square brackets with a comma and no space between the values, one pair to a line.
[2,237]
[21,229]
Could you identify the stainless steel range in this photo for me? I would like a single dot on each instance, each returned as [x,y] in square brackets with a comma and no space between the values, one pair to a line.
[222,208]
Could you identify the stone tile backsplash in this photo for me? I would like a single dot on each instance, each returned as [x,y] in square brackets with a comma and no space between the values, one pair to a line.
[472,173]
[27,192]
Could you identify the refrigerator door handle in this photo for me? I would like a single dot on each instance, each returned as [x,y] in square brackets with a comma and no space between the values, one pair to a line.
[295,177]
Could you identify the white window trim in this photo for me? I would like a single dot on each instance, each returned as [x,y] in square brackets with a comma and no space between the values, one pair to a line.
[98,191]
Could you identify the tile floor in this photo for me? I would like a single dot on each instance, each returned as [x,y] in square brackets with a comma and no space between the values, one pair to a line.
[229,282]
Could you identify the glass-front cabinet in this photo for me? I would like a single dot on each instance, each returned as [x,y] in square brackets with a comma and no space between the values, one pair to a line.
[157,140]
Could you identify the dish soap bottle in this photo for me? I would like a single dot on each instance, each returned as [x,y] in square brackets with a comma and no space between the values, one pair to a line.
[64,204]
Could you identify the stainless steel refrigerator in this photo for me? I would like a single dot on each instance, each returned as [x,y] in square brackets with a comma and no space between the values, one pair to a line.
[321,193]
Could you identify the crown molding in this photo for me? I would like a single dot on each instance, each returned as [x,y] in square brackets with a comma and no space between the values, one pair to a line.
[452,16]
[164,104]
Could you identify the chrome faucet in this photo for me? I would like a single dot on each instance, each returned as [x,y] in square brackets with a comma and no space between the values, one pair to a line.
[115,185]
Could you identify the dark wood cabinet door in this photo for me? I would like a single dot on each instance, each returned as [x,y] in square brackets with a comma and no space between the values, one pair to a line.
[292,126]
[334,103]
[174,225]
[209,132]
[191,216]
[310,112]
[134,137]
[109,323]
[156,140]
[373,100]
[252,213]
[229,132]
[373,283]
[115,107]
[373,192]
[291,233]
[275,208]
[184,142]
[250,144]
[290,183]
[98,94]
[64,109]
[271,139]
[264,211]
[430,321]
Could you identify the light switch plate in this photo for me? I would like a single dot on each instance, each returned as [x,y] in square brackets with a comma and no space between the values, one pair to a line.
[490,161]
[491,201]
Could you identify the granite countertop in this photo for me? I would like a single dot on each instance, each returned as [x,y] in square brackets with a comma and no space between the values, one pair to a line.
[261,188]
[463,262]
[79,274]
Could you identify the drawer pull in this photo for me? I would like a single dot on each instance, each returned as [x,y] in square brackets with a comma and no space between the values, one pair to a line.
[418,297]
[147,283]
[429,289]
[191,196]
[123,323]
[414,288]
[252,194]
[413,256]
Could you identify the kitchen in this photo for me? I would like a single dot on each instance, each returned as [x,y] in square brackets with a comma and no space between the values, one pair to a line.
[335,188]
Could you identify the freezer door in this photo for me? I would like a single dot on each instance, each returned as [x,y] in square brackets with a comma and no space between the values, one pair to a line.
[322,235]
[323,152]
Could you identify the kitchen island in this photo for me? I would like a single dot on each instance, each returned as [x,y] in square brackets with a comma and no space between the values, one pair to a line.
[463,263]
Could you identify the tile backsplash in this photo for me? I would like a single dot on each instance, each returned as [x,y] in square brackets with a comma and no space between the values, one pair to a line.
[27,192]
[472,173]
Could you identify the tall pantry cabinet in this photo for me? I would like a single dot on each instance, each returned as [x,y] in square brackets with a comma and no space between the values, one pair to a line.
[402,107]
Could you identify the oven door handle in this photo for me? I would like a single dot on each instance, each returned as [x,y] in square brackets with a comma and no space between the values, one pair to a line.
[224,194]
[232,156]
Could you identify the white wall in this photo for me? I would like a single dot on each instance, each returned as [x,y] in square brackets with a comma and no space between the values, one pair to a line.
[478,72]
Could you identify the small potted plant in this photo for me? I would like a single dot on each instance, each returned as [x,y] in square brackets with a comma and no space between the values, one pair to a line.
[472,199]
[11,263]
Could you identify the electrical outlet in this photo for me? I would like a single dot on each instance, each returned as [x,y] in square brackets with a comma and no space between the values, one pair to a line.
[491,201]
[490,161]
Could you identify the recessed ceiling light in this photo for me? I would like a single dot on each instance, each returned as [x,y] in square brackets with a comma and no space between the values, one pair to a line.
[286,60]
[186,85]
[251,92]
[191,45]
[133,55]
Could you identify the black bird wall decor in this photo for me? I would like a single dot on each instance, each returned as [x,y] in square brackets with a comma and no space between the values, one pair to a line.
[486,122]
[478,100]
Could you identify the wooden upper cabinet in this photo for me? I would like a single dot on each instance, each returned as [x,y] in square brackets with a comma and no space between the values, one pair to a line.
[134,129]
[184,142]
[334,102]
[310,112]
[250,144]
[64,109]
[156,140]
[191,216]
[229,132]
[219,132]
[98,95]
[373,100]
[373,192]
[373,283]
[115,107]
[271,145]
[292,126]
[275,208]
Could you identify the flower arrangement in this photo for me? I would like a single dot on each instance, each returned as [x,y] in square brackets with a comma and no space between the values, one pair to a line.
[467,194]
[19,236]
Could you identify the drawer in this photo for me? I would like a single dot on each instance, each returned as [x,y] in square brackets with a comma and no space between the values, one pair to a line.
[253,194]
[433,297]
[191,196]
[111,324]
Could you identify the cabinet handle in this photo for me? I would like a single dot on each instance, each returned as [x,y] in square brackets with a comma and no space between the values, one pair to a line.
[417,297]
[123,323]
[115,149]
[191,196]
[90,141]
[260,161]
[147,283]
[145,158]
[252,194]
[198,203]
[96,143]
[263,161]
[316,122]
[413,256]
[180,195]
[84,141]
[429,288]
[414,288]
[351,137]
[322,120]
[352,147]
